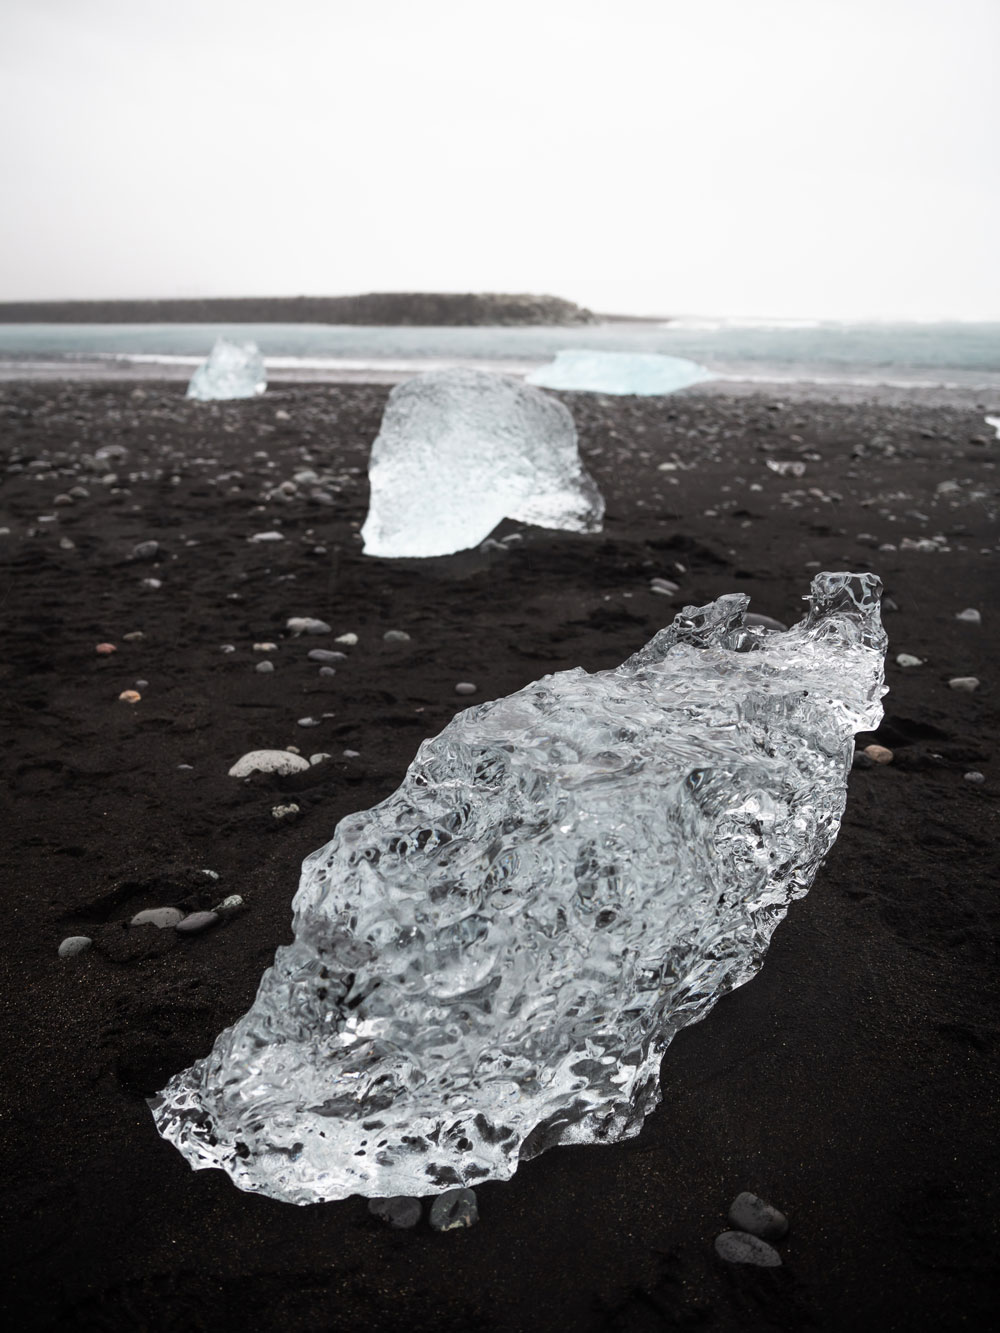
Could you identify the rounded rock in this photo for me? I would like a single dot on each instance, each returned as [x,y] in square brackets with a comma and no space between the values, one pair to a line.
[964,684]
[308,722]
[401,1211]
[162,917]
[737,1247]
[105,649]
[229,906]
[264,668]
[195,922]
[74,944]
[145,550]
[129,696]
[454,1210]
[326,655]
[970,616]
[306,625]
[878,754]
[908,660]
[284,811]
[267,761]
[396,636]
[974,776]
[327,671]
[750,1213]
[465,687]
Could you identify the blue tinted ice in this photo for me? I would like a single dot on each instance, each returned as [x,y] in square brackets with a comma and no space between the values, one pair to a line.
[233,370]
[619,372]
[494,960]
[460,450]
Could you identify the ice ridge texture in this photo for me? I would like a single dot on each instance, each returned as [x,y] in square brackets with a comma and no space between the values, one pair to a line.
[619,372]
[233,370]
[493,960]
[460,450]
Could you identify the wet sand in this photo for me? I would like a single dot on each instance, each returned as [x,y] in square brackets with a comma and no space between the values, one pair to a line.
[853,1083]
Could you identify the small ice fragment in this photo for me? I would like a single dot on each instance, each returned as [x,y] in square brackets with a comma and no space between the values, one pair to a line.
[233,370]
[307,625]
[459,450]
[267,761]
[643,373]
[995,423]
[786,467]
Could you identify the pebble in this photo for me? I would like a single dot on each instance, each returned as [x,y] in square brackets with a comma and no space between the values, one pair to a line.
[63,500]
[350,639]
[465,687]
[267,537]
[786,467]
[264,668]
[130,696]
[975,776]
[327,671]
[234,903]
[74,944]
[453,1210]
[878,754]
[308,721]
[665,587]
[106,649]
[395,636]
[267,761]
[325,655]
[283,811]
[265,647]
[908,660]
[307,625]
[196,922]
[352,754]
[67,544]
[750,1213]
[162,917]
[79,493]
[753,618]
[970,616]
[227,647]
[152,583]
[736,1247]
[966,684]
[145,550]
[315,759]
[401,1212]
[133,636]
[47,520]
[282,415]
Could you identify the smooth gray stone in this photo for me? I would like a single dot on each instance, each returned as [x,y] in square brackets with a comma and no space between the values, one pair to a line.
[736,1247]
[750,1213]
[401,1211]
[145,550]
[453,1210]
[264,668]
[163,917]
[465,687]
[327,671]
[74,944]
[396,636]
[196,922]
[764,622]
[325,655]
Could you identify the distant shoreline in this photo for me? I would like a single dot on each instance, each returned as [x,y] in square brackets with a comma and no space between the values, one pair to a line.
[375,308]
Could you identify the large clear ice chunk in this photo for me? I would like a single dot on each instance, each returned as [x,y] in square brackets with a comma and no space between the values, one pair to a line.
[233,370]
[460,450]
[619,372]
[493,960]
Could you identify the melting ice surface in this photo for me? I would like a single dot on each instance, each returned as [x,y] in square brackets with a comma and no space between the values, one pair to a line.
[619,372]
[460,450]
[233,370]
[493,960]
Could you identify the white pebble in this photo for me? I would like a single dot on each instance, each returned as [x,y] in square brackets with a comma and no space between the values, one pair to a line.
[970,616]
[454,1210]
[315,759]
[395,636]
[306,625]
[164,918]
[975,776]
[264,668]
[267,537]
[908,660]
[349,639]
[966,684]
[265,647]
[308,722]
[267,761]
[465,687]
[74,944]
[283,811]
[352,754]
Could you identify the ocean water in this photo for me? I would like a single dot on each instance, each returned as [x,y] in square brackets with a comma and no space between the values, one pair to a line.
[953,355]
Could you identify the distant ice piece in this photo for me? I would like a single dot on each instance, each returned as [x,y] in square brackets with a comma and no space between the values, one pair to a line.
[460,450]
[619,372]
[493,960]
[233,370]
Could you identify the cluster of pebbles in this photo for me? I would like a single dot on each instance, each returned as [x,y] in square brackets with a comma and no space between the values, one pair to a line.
[754,1225]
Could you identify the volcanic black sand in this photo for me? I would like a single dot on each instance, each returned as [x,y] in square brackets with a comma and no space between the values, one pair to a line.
[852,1083]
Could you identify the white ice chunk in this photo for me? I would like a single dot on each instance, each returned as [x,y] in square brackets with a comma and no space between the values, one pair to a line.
[494,959]
[619,372]
[233,370]
[460,450]
[268,761]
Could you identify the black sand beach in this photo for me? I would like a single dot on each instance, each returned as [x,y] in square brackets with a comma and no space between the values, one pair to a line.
[853,1083]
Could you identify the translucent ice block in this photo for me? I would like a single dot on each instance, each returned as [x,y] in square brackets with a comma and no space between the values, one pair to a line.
[619,372]
[459,450]
[494,959]
[233,370]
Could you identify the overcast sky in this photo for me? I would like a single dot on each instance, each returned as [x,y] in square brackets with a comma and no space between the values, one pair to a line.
[783,157]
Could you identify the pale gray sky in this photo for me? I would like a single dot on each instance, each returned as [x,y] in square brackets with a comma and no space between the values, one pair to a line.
[782,157]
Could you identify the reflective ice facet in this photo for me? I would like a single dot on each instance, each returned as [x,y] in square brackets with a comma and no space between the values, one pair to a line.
[233,370]
[493,960]
[619,372]
[460,450]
